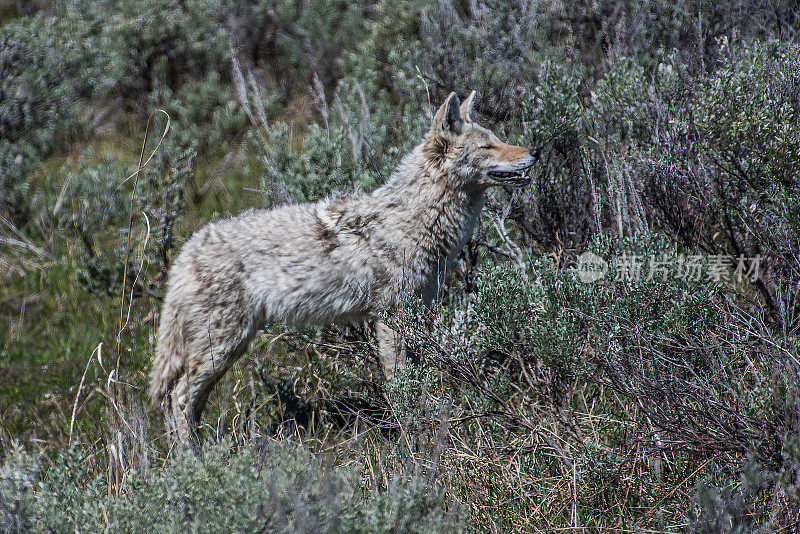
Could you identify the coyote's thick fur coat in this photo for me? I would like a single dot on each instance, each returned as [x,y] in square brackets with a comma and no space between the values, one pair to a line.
[341,260]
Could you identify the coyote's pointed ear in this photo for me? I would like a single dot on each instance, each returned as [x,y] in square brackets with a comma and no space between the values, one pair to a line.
[447,120]
[466,107]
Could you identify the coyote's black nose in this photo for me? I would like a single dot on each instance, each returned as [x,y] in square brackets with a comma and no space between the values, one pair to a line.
[535,153]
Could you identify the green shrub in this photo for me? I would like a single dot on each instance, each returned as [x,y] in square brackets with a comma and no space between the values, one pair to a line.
[17,480]
[648,336]
[624,106]
[87,198]
[731,187]
[411,394]
[749,113]
[203,113]
[272,488]
[41,77]
[325,165]
[665,360]
[354,150]
[139,46]
[159,204]
[65,68]
[747,505]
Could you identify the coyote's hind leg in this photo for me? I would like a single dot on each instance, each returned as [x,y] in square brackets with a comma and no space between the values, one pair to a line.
[218,352]
[182,423]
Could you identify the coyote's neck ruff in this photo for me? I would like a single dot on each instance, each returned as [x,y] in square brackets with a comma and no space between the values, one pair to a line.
[340,260]
[405,234]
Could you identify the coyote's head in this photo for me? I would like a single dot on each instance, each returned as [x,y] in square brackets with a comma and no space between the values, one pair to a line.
[471,155]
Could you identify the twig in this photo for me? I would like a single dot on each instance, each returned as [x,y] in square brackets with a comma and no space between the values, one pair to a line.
[111,383]
[130,220]
[98,349]
[24,241]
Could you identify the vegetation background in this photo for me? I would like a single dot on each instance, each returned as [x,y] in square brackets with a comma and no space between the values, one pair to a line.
[540,403]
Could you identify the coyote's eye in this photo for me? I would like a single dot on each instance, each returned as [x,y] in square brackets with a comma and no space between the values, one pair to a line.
[487,147]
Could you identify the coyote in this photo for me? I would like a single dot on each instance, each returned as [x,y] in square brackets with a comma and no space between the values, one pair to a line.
[341,260]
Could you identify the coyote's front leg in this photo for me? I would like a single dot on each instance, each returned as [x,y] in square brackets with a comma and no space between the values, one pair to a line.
[391,349]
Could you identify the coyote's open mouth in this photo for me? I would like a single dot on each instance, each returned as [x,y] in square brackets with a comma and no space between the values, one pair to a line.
[518,176]
[510,177]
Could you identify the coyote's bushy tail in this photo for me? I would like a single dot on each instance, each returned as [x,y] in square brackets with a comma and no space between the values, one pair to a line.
[169,359]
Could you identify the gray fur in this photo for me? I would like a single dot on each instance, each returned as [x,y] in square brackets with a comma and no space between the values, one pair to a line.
[341,260]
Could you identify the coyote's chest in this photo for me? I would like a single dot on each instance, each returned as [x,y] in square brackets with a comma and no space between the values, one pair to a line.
[470,221]
[444,240]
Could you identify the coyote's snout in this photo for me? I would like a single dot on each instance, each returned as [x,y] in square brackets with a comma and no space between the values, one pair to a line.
[343,259]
